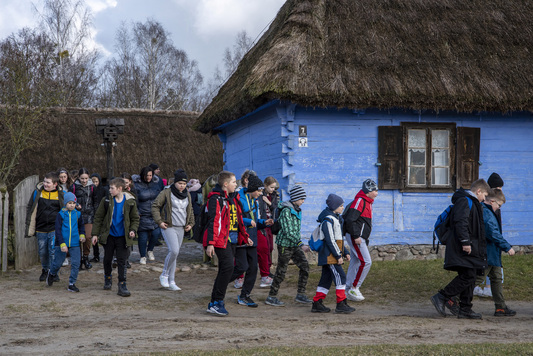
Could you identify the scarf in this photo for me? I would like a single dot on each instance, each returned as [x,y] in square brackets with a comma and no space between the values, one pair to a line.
[177,193]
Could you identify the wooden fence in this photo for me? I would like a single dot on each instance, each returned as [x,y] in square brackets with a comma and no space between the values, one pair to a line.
[4,213]
[26,249]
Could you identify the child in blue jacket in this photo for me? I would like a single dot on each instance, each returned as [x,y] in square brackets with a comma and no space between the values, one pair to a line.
[69,233]
[496,243]
[330,257]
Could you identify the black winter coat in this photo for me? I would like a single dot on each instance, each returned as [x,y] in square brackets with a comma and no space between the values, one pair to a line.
[469,229]
[146,194]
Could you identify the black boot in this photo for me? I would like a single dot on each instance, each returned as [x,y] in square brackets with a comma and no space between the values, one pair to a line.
[468,314]
[95,259]
[344,308]
[86,262]
[50,279]
[319,307]
[108,283]
[123,290]
[43,276]
[439,302]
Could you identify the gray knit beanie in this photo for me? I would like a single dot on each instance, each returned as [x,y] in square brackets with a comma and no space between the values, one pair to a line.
[369,186]
[297,192]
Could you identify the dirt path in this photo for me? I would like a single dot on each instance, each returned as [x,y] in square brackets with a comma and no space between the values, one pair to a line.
[36,319]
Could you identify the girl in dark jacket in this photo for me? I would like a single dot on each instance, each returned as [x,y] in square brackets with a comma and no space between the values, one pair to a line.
[268,204]
[84,190]
[100,192]
[148,188]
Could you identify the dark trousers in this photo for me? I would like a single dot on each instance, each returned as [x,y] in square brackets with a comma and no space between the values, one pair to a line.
[225,271]
[285,254]
[116,245]
[462,285]
[246,261]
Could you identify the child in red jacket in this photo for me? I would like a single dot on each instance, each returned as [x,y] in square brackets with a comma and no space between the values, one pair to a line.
[225,225]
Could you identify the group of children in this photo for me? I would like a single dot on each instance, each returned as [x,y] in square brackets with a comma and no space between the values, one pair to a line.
[475,250]
[232,234]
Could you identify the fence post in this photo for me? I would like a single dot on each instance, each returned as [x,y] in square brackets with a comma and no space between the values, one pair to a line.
[3,234]
[26,250]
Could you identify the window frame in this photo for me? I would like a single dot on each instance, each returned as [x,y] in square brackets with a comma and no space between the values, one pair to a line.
[428,127]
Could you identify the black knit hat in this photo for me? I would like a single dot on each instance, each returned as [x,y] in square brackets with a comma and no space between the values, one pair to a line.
[495,181]
[254,184]
[180,176]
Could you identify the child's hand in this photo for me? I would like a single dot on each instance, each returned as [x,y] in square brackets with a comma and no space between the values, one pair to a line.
[132,234]
[340,261]
[253,223]
[250,242]
[511,252]
[95,239]
[64,249]
[188,228]
[269,222]
[358,241]
[210,251]
[163,226]
[467,249]
[82,239]
[78,207]
[348,257]
[306,248]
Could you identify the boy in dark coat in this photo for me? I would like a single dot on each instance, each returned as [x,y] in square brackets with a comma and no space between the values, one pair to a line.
[466,251]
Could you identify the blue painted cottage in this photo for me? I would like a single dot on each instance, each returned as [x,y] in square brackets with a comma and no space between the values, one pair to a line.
[423,97]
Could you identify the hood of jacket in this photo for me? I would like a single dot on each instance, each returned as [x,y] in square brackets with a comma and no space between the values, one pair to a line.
[217,190]
[325,213]
[461,193]
[89,183]
[362,195]
[137,179]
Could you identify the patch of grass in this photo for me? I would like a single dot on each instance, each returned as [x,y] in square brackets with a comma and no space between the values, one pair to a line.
[51,306]
[401,281]
[377,350]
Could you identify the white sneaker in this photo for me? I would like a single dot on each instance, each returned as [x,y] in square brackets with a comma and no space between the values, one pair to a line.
[478,291]
[487,292]
[238,283]
[164,281]
[65,262]
[355,295]
[143,261]
[173,286]
[265,282]
[151,256]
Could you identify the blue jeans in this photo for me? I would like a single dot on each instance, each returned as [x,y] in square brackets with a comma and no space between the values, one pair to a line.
[75,259]
[46,241]
[148,237]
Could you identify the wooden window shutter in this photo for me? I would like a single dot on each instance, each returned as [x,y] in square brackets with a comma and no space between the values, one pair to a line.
[390,156]
[467,156]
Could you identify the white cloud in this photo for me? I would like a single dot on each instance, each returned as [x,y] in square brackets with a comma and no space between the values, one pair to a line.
[227,17]
[14,15]
[100,5]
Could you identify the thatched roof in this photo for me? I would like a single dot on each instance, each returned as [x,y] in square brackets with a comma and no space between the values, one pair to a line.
[69,139]
[459,55]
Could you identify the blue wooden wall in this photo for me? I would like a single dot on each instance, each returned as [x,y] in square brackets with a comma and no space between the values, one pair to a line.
[342,152]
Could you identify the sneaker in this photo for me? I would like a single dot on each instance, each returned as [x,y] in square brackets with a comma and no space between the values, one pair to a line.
[143,261]
[439,301]
[468,314]
[355,295]
[478,291]
[65,263]
[108,283]
[238,283]
[504,312]
[319,307]
[164,281]
[275,302]
[265,282]
[452,305]
[49,279]
[151,256]
[73,288]
[344,308]
[123,290]
[95,259]
[302,298]
[487,293]
[56,278]
[44,274]
[173,286]
[246,300]
[217,308]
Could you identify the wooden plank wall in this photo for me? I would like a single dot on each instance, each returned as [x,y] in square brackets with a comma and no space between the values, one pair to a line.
[343,151]
[26,249]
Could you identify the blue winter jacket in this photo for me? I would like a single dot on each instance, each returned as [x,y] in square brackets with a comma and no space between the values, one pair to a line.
[333,240]
[250,209]
[69,228]
[495,241]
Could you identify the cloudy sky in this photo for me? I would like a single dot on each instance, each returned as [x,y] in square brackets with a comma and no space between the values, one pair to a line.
[203,28]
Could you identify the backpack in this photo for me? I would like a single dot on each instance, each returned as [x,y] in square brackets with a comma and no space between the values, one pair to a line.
[276,227]
[316,241]
[201,224]
[443,229]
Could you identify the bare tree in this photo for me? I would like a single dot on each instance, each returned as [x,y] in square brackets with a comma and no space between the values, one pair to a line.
[67,24]
[232,58]
[150,72]
[26,90]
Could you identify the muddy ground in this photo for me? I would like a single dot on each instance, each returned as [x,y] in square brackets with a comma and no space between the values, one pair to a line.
[37,320]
